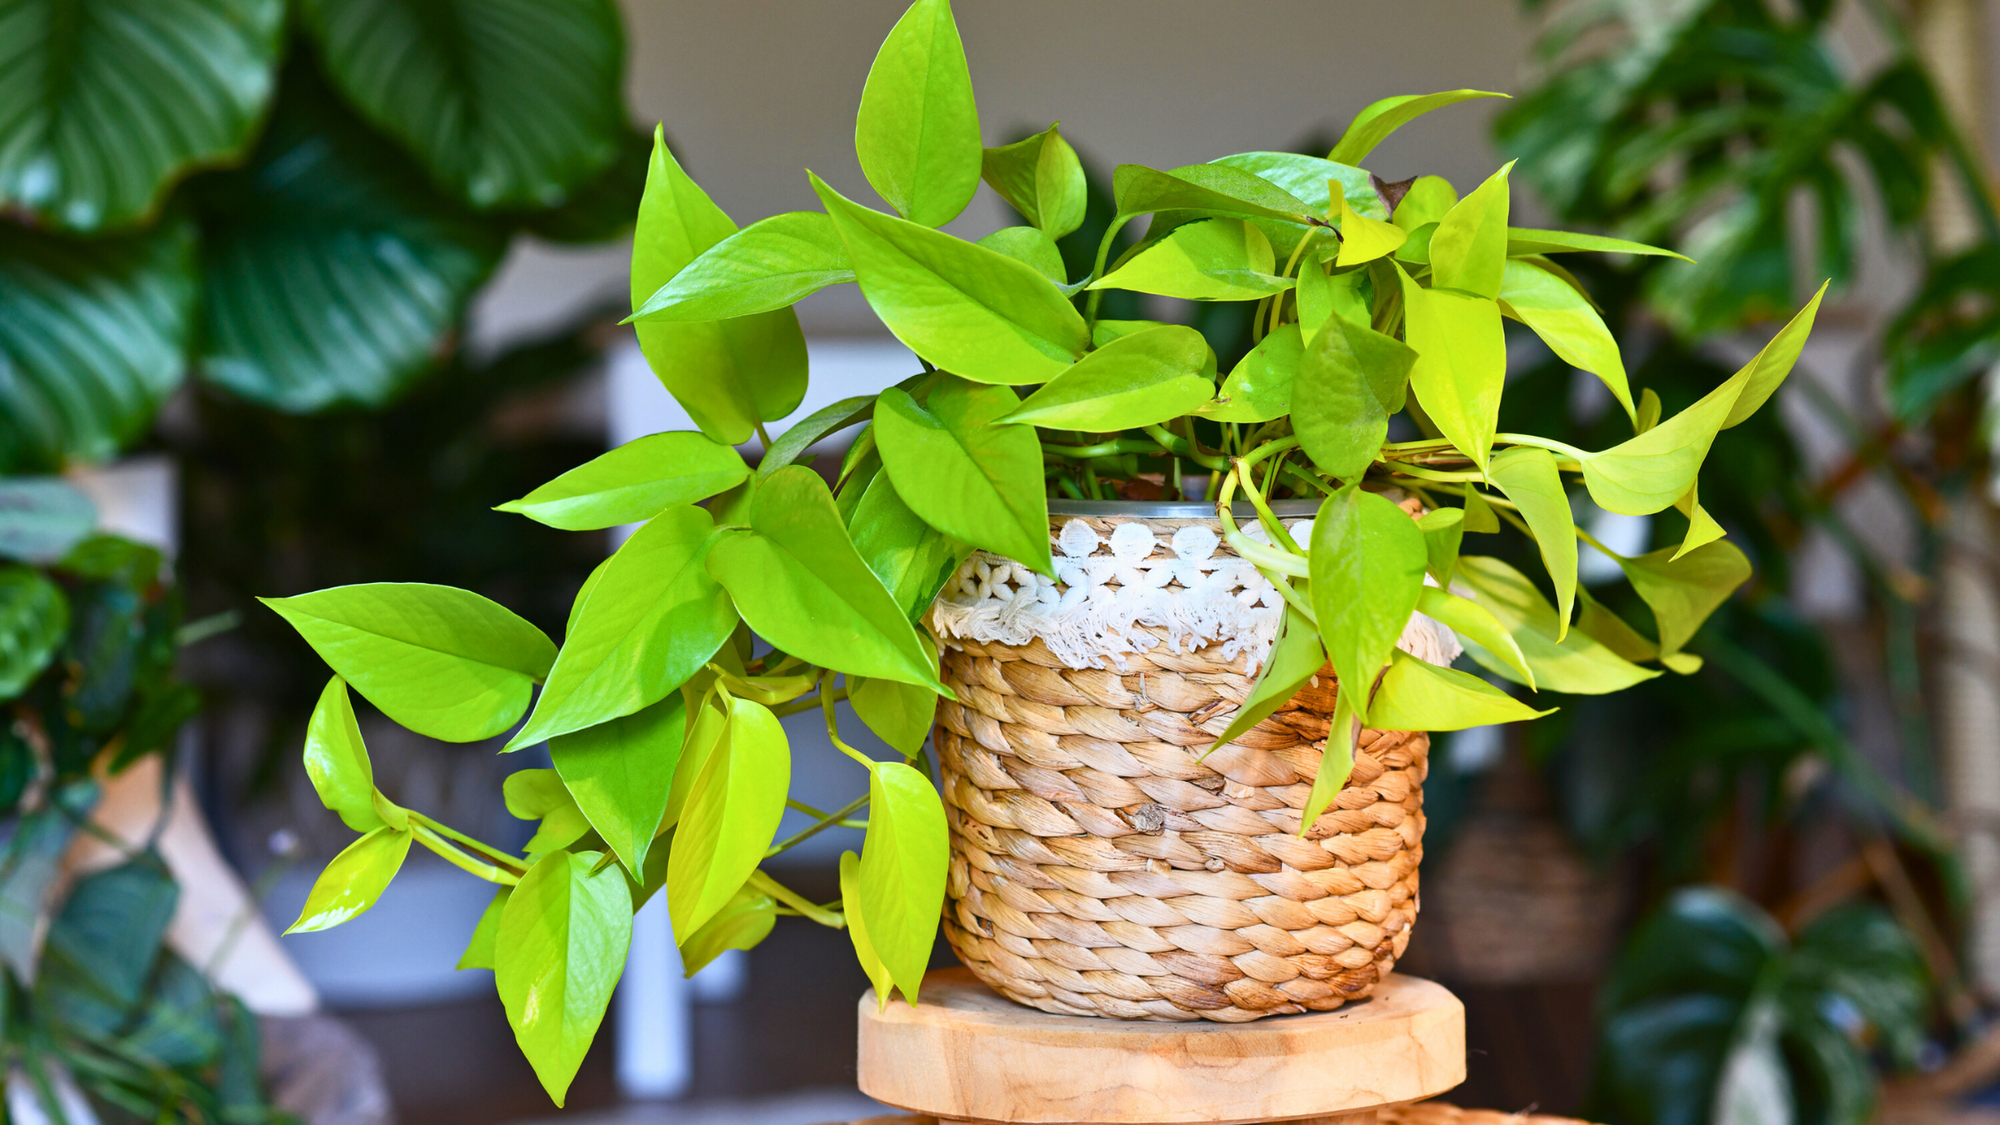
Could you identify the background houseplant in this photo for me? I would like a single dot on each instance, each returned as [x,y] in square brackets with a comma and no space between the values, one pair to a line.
[659,709]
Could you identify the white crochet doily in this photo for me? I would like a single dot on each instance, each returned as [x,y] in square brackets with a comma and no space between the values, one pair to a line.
[1103,592]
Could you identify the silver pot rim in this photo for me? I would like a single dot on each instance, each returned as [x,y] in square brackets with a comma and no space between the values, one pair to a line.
[1177,509]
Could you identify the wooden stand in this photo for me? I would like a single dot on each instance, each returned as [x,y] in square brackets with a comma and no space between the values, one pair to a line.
[968,1055]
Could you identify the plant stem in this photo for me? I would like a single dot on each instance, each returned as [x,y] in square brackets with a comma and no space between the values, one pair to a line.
[460,860]
[833,732]
[487,850]
[825,821]
[797,901]
[809,702]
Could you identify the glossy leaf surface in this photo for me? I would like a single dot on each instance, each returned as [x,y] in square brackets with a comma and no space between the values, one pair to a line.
[1418,695]
[1260,386]
[354,880]
[1528,477]
[441,661]
[766,266]
[913,559]
[337,760]
[1564,320]
[917,132]
[1461,363]
[902,873]
[732,811]
[1469,248]
[563,937]
[1350,380]
[634,482]
[41,518]
[1211,260]
[1133,381]
[1367,559]
[964,471]
[1374,124]
[1577,664]
[621,772]
[1041,178]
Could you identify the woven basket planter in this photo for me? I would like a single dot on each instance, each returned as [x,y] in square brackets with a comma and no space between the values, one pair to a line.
[1098,868]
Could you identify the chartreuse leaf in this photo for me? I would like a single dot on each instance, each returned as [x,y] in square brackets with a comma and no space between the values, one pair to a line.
[1603,625]
[1469,249]
[1523,243]
[540,795]
[1216,188]
[441,661]
[1529,478]
[1418,695]
[1373,125]
[964,471]
[1363,239]
[354,880]
[857,929]
[1444,530]
[1105,331]
[1461,363]
[733,807]
[1132,381]
[972,311]
[1296,656]
[1470,620]
[653,618]
[1030,247]
[1260,387]
[1350,381]
[797,580]
[729,374]
[1210,260]
[337,760]
[899,714]
[1041,178]
[1336,761]
[1647,473]
[766,266]
[1479,517]
[482,949]
[563,938]
[705,732]
[1367,560]
[1577,664]
[1683,591]
[1564,320]
[110,101]
[744,921]
[1425,203]
[1702,528]
[634,482]
[34,619]
[902,872]
[1305,177]
[800,436]
[913,559]
[917,133]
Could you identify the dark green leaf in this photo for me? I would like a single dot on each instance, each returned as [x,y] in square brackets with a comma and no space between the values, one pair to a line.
[917,132]
[331,271]
[510,102]
[966,473]
[41,518]
[28,870]
[181,1025]
[102,947]
[654,617]
[109,101]
[94,340]
[441,661]
[34,618]
[634,482]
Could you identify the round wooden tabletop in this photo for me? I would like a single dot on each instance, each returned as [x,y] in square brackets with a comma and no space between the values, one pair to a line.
[967,1054]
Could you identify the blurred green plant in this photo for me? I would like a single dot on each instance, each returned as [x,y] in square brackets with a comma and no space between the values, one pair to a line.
[1711,995]
[98,1009]
[298,218]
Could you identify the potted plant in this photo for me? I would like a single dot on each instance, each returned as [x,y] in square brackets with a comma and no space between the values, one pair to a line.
[1157,802]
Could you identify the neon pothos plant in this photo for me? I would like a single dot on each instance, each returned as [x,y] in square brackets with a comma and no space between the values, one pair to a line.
[1377,303]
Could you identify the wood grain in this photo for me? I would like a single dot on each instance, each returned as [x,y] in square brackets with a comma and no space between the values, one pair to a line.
[968,1055]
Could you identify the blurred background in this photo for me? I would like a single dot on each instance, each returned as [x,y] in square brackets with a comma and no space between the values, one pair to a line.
[294,293]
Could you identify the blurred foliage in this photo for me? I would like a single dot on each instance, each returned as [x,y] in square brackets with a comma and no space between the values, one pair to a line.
[96,1007]
[294,201]
[1737,132]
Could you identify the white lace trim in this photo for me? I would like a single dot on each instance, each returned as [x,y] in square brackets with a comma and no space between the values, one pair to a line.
[1094,608]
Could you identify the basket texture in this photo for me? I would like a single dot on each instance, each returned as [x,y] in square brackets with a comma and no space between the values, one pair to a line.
[1416,1113]
[1099,868]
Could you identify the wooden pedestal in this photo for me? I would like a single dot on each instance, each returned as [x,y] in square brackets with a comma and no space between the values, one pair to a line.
[968,1055]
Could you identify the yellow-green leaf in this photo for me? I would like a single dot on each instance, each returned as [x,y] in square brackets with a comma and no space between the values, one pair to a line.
[1336,762]
[1528,477]
[1577,664]
[1683,590]
[535,794]
[621,772]
[337,760]
[1367,560]
[1041,178]
[857,929]
[1133,381]
[1564,320]
[1363,239]
[1461,363]
[1471,620]
[732,812]
[1296,656]
[1417,695]
[1209,260]
[1427,202]
[742,923]
[1259,388]
[354,880]
[902,873]
[564,933]
[917,132]
[1373,125]
[1469,250]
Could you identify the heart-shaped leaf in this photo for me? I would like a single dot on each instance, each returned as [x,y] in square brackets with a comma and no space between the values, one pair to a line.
[1367,560]
[1351,379]
[533,794]
[729,374]
[634,482]
[1133,381]
[767,265]
[653,618]
[1030,247]
[1469,248]
[965,472]
[917,132]
[354,880]
[1042,178]
[94,340]
[972,311]
[1528,477]
[510,102]
[441,661]
[337,760]
[1682,591]
[913,559]
[902,872]
[620,773]
[109,101]
[1461,362]
[331,270]
[563,938]
[1210,260]
[1260,387]
[732,811]
[798,582]
[1417,695]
